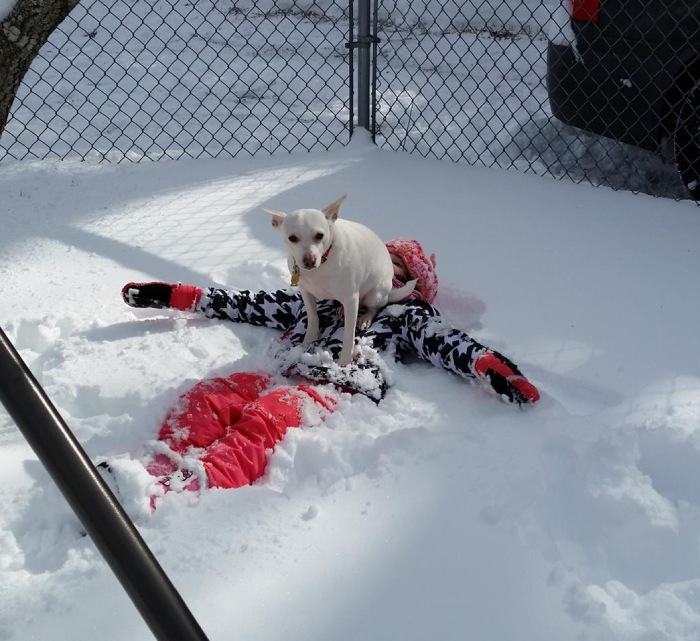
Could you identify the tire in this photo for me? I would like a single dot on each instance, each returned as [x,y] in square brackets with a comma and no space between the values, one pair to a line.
[686,141]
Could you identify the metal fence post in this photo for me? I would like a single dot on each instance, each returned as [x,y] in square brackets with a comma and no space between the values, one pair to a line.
[366,66]
[108,525]
[364,38]
[373,89]
[350,46]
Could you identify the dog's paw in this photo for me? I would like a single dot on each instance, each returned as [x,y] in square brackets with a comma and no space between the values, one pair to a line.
[365,320]
[309,340]
[346,357]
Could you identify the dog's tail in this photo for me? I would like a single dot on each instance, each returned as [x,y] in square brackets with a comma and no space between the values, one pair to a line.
[399,294]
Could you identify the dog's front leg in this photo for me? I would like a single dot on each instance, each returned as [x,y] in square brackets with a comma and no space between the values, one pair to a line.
[351,307]
[311,319]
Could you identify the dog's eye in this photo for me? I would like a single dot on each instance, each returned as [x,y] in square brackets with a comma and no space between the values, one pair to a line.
[293,239]
[318,236]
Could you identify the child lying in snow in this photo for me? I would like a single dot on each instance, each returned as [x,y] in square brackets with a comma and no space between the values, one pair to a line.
[229,423]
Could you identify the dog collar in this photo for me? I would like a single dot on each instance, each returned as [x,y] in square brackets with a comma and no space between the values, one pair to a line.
[324,258]
[296,272]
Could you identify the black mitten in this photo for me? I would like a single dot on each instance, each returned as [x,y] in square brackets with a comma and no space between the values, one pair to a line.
[505,389]
[156,295]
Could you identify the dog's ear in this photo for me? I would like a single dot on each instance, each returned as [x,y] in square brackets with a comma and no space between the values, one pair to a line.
[331,211]
[277,216]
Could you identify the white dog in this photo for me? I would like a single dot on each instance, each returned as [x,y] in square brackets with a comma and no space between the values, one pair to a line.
[340,260]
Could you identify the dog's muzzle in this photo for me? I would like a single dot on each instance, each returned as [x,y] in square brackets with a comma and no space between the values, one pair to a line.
[309,261]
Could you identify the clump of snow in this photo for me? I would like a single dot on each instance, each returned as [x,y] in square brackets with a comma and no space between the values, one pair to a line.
[558,27]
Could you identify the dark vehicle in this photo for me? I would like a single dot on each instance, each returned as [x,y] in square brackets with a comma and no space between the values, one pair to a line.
[631,71]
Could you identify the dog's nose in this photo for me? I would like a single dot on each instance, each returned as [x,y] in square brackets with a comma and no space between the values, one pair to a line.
[309,261]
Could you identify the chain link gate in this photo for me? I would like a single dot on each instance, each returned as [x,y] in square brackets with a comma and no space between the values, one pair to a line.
[458,80]
[125,79]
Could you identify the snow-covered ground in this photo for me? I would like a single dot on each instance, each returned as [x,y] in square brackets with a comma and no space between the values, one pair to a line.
[440,513]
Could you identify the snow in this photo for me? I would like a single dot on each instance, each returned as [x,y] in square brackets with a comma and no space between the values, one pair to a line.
[439,513]
[558,28]
[6,7]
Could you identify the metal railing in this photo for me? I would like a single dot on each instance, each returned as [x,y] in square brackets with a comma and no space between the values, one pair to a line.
[112,531]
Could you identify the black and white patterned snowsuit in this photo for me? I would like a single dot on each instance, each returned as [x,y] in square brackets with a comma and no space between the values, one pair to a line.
[411,328]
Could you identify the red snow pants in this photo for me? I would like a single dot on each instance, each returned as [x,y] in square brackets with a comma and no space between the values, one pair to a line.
[234,421]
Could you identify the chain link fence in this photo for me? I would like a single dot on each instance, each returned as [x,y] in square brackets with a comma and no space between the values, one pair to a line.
[125,79]
[466,81]
[463,81]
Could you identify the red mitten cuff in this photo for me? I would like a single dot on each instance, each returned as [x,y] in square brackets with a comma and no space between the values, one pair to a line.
[185,297]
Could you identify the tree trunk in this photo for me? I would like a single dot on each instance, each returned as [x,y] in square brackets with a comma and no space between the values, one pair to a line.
[22,34]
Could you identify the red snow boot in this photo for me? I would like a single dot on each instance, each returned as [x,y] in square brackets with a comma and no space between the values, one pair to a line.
[505,378]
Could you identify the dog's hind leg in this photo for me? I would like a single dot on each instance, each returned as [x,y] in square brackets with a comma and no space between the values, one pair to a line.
[371,302]
[365,319]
